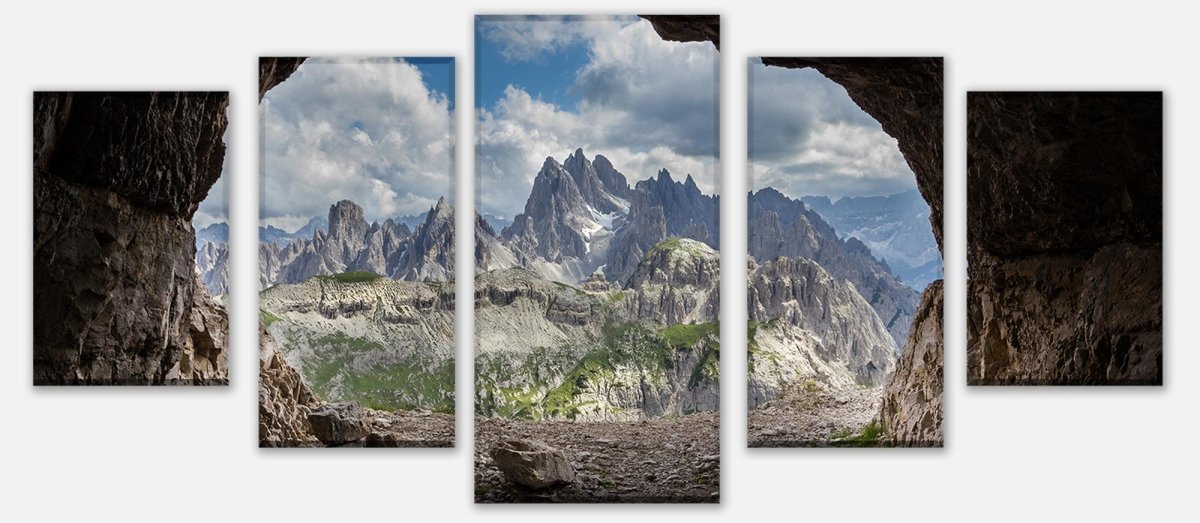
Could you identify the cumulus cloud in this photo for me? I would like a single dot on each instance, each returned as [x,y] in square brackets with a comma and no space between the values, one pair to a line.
[368,130]
[808,137]
[524,38]
[644,103]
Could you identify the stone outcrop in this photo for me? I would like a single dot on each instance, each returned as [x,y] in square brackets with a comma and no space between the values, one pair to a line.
[678,281]
[1064,213]
[117,177]
[284,400]
[533,464]
[687,28]
[911,412]
[808,325]
[338,424]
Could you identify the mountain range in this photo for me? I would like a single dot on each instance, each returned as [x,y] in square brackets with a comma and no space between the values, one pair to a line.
[599,301]
[895,228]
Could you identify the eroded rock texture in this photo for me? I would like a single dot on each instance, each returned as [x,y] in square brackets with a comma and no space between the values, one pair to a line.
[117,177]
[1064,217]
[284,401]
[687,28]
[911,413]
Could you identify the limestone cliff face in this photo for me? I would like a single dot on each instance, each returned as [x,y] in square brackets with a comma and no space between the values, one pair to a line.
[678,281]
[911,412]
[547,350]
[1065,238]
[117,177]
[807,325]
[781,226]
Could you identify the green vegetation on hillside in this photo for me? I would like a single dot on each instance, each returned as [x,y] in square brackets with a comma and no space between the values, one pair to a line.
[339,364]
[641,350]
[267,318]
[351,277]
[869,436]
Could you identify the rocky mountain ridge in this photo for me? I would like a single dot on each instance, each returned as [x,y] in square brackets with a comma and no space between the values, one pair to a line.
[894,227]
[782,226]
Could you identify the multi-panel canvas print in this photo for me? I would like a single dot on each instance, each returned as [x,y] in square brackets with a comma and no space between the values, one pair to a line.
[129,233]
[356,252]
[844,341]
[597,264]
[1064,238]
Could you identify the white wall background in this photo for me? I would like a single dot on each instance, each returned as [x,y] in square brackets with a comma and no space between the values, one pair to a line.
[190,455]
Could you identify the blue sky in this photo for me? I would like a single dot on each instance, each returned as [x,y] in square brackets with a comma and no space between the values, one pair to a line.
[437,74]
[546,86]
[550,75]
[808,137]
[372,130]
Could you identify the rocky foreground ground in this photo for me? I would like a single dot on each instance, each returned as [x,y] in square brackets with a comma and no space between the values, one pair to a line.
[672,460]
[813,418]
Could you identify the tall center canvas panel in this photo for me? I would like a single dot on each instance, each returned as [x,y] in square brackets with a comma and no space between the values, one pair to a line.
[845,273]
[597,264]
[356,252]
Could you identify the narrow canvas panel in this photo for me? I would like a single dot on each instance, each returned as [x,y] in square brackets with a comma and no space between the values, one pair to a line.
[597,265]
[356,252]
[126,291]
[1064,238]
[845,276]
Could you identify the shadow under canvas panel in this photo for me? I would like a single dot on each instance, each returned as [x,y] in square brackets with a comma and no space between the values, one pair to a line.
[356,252]
[845,281]
[1064,238]
[126,292]
[597,263]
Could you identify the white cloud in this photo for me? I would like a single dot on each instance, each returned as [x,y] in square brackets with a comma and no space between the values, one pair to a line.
[644,103]
[367,130]
[524,38]
[808,137]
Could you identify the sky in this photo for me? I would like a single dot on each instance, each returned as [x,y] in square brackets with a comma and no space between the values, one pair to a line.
[546,86]
[807,137]
[373,130]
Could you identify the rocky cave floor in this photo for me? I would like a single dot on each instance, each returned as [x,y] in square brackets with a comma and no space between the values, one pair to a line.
[813,418]
[410,429]
[670,460]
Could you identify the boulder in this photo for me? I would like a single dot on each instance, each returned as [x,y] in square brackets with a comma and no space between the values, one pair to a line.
[338,424]
[533,464]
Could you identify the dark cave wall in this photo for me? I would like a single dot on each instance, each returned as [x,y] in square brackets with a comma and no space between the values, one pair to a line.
[273,70]
[905,96]
[117,177]
[687,28]
[1064,214]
